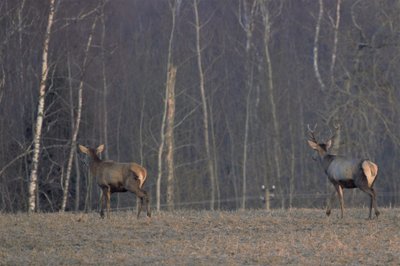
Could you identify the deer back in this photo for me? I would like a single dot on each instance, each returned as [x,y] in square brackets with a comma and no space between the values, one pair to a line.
[111,173]
[352,172]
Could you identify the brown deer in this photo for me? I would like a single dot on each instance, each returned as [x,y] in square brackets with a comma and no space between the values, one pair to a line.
[117,177]
[345,172]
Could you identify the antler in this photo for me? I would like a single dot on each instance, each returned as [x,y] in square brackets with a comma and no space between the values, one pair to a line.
[337,128]
[336,138]
[336,125]
[311,133]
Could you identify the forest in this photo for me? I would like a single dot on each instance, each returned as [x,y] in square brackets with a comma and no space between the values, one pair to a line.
[212,97]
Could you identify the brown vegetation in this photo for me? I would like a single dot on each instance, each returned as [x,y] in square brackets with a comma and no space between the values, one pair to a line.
[254,237]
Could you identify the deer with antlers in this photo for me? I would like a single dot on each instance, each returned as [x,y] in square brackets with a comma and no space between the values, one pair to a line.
[344,172]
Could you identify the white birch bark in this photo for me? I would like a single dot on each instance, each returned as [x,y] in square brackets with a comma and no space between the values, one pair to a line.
[170,137]
[316,43]
[164,118]
[160,152]
[33,180]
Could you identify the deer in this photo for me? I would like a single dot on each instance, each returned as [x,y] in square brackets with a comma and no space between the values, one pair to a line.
[116,177]
[344,172]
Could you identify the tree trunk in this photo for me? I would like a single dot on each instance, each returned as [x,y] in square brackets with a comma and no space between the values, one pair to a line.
[335,41]
[171,74]
[160,152]
[276,152]
[89,193]
[71,102]
[105,85]
[204,108]
[215,160]
[33,181]
[316,43]
[247,25]
[77,120]
[170,137]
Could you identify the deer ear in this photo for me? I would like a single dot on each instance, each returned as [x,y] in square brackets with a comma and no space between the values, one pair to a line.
[328,144]
[100,149]
[312,144]
[83,149]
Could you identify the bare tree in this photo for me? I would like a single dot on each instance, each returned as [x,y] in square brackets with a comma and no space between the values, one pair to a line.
[78,119]
[316,44]
[170,137]
[33,182]
[2,82]
[72,112]
[335,39]
[104,79]
[168,118]
[246,20]
[210,164]
[272,103]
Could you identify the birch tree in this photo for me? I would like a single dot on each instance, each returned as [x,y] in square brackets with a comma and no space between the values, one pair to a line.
[316,44]
[272,103]
[170,136]
[169,107]
[336,24]
[33,181]
[77,119]
[246,20]
[210,164]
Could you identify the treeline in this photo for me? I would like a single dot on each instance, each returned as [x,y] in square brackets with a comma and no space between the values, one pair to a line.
[212,97]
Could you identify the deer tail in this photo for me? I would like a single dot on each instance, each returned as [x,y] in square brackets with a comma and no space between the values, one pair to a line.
[370,170]
[140,173]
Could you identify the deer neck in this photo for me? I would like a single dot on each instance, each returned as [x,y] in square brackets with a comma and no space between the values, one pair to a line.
[327,160]
[95,160]
[95,165]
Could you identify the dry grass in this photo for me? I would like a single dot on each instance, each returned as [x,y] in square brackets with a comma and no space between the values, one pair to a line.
[254,237]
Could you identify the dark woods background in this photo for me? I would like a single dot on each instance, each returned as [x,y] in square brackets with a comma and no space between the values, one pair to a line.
[261,92]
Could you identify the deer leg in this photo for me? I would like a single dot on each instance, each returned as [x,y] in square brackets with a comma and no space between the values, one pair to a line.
[101,205]
[133,186]
[102,199]
[372,194]
[329,202]
[140,206]
[147,198]
[339,190]
[142,194]
[108,198]
[374,202]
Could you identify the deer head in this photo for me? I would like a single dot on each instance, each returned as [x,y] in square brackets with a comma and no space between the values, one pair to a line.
[320,148]
[93,153]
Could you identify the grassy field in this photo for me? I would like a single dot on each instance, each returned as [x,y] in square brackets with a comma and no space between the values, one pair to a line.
[253,237]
